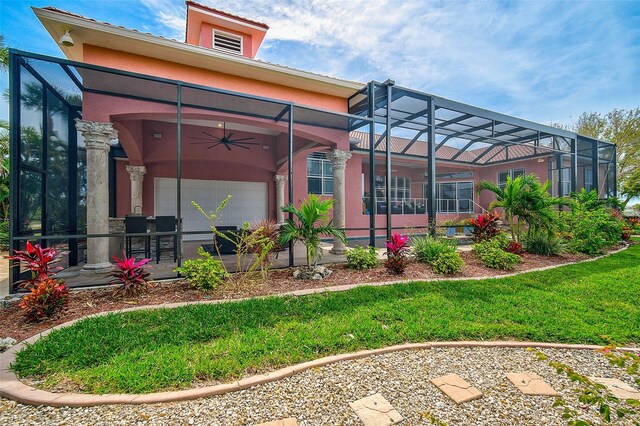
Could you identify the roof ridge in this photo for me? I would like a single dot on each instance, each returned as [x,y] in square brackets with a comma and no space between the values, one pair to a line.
[227,14]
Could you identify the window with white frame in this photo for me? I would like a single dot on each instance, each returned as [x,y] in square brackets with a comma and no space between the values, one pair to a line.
[588,180]
[319,174]
[453,197]
[503,175]
[227,41]
[565,179]
[400,188]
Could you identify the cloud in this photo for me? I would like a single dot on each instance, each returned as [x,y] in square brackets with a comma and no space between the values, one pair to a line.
[541,60]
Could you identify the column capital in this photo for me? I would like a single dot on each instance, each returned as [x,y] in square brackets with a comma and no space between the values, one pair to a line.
[280,179]
[136,173]
[338,158]
[97,135]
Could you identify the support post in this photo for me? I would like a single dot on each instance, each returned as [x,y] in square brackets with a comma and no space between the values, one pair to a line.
[97,137]
[338,164]
[14,154]
[431,169]
[389,84]
[136,175]
[574,165]
[179,169]
[290,172]
[595,169]
[280,180]
[372,167]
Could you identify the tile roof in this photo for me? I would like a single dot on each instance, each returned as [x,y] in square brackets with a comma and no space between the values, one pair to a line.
[419,148]
[227,14]
[75,15]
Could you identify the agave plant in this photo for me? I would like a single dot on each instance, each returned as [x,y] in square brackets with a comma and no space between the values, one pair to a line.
[309,222]
[130,275]
[39,260]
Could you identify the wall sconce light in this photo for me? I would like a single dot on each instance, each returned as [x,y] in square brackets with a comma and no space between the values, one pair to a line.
[66,39]
[157,135]
[540,160]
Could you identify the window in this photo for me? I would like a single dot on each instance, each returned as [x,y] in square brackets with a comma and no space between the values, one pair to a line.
[227,41]
[588,180]
[565,177]
[502,176]
[319,174]
[400,188]
[453,197]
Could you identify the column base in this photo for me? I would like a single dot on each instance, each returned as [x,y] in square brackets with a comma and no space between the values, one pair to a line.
[97,267]
[338,250]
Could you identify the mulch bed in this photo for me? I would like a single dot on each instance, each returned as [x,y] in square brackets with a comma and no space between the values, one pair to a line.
[86,302]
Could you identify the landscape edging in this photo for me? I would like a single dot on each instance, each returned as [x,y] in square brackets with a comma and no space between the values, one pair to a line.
[11,387]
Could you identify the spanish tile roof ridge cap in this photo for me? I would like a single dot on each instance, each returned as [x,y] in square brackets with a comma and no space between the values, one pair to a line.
[306,71]
[86,18]
[65,12]
[229,15]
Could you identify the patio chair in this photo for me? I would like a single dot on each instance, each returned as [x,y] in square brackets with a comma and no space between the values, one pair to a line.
[135,224]
[166,224]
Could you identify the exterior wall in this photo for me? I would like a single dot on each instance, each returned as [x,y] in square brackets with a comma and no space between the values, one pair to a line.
[171,70]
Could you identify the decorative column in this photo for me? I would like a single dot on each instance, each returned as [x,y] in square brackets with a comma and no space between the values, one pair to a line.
[136,175]
[338,162]
[280,180]
[97,139]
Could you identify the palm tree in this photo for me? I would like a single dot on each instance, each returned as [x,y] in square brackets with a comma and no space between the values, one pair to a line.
[524,200]
[309,222]
[587,200]
[4,55]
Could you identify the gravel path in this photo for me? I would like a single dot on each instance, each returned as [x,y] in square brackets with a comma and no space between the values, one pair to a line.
[321,396]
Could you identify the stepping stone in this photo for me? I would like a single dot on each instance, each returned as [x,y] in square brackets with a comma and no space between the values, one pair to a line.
[374,410]
[456,388]
[531,384]
[617,387]
[283,422]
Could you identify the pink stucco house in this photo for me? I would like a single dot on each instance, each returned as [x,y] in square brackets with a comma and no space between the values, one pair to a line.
[149,112]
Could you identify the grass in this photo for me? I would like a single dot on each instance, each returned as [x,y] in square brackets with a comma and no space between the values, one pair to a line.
[165,349]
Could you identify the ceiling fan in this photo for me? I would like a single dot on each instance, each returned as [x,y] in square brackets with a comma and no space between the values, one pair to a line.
[226,141]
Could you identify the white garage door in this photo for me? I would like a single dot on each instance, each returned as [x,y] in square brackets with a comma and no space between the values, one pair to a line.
[248,203]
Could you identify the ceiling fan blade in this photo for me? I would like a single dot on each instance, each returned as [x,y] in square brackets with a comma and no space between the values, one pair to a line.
[195,137]
[202,143]
[214,145]
[245,143]
[229,135]
[242,139]
[208,134]
[243,147]
[227,146]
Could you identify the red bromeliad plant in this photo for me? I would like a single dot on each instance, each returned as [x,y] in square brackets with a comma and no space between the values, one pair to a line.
[39,260]
[46,299]
[485,226]
[130,275]
[515,248]
[397,253]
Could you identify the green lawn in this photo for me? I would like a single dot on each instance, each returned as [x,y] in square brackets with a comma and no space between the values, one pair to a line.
[147,351]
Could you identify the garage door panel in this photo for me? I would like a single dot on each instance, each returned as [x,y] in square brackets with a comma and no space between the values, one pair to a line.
[248,203]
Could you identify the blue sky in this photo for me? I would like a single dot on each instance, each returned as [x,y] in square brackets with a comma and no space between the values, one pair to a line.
[541,60]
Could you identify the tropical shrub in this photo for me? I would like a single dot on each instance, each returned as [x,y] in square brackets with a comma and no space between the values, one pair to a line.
[309,222]
[514,248]
[263,232]
[39,260]
[362,258]
[46,299]
[447,263]
[485,226]
[593,231]
[496,258]
[205,273]
[397,254]
[524,201]
[544,243]
[427,248]
[626,233]
[131,275]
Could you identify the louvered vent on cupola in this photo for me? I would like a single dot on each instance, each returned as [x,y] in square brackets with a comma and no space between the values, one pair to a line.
[227,42]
